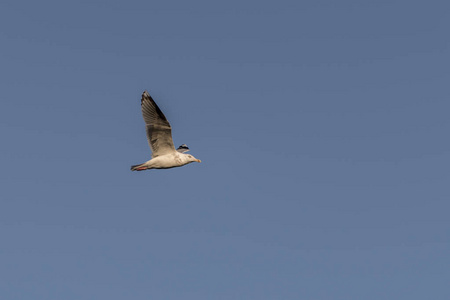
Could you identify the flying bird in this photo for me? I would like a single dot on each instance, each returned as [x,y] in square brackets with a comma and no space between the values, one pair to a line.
[159,136]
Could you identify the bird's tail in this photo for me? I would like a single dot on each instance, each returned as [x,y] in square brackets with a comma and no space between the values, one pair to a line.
[140,167]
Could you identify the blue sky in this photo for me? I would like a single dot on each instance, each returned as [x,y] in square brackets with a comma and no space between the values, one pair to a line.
[322,127]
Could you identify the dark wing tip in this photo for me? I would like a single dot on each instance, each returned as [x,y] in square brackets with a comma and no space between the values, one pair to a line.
[146,97]
[183,148]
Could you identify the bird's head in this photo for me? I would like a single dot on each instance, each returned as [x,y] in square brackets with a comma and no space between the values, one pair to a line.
[191,158]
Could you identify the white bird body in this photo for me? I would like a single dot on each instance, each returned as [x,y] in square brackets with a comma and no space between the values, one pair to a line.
[167,161]
[159,136]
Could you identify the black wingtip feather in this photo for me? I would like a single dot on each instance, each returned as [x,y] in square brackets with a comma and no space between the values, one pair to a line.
[146,95]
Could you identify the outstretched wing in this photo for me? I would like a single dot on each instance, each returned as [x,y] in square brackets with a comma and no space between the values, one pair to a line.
[159,132]
[183,148]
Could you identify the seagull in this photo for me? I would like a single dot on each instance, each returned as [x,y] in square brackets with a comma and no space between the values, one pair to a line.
[159,136]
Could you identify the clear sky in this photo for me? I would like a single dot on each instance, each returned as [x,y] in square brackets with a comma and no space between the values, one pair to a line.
[323,127]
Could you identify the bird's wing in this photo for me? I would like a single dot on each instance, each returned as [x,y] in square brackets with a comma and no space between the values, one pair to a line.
[183,148]
[159,132]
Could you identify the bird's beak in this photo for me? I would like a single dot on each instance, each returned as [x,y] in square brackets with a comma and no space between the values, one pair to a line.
[198,160]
